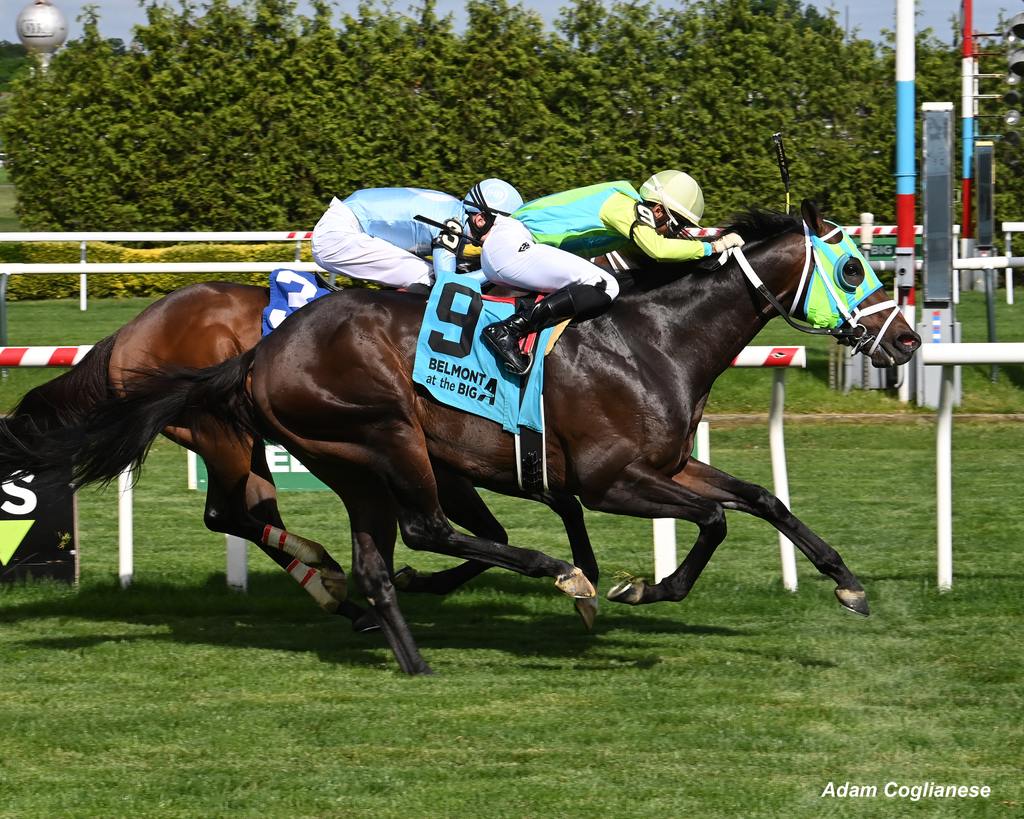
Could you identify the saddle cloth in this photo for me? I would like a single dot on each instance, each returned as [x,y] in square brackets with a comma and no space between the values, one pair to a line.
[455,367]
[290,290]
[452,364]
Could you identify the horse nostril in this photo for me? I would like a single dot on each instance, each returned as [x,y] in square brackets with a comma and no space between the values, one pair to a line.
[909,341]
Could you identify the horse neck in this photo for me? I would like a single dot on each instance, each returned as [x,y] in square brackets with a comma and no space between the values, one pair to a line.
[721,310]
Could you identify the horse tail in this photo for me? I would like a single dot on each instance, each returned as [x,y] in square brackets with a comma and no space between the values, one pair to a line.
[117,432]
[67,398]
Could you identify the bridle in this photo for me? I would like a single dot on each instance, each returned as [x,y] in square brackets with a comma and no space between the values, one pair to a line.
[850,330]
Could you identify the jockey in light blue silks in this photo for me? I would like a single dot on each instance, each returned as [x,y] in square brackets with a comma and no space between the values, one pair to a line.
[374,234]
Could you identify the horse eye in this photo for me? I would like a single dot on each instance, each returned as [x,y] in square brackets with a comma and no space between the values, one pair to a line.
[853,273]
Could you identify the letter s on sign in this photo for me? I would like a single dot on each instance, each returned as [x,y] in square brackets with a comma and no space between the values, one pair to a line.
[28,498]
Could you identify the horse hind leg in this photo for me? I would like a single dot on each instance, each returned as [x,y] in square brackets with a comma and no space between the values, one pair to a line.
[755,500]
[401,451]
[241,500]
[464,506]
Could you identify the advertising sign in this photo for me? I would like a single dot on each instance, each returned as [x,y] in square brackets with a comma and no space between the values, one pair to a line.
[288,472]
[38,532]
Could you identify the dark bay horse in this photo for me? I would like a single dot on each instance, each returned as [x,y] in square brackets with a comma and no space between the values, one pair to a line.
[205,324]
[624,393]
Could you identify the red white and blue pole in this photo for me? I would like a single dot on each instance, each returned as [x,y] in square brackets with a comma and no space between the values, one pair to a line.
[968,68]
[906,175]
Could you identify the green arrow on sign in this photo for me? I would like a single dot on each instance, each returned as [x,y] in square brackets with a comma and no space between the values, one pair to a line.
[12,532]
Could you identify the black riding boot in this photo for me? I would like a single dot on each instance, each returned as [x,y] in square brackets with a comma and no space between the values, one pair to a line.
[579,301]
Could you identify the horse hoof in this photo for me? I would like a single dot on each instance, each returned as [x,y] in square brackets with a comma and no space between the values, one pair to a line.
[855,601]
[575,584]
[404,578]
[629,592]
[586,608]
[336,583]
[366,623]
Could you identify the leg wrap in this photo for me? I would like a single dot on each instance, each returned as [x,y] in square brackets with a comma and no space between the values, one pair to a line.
[297,546]
[310,579]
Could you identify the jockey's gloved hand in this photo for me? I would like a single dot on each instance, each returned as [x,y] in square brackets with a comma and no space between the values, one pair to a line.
[723,243]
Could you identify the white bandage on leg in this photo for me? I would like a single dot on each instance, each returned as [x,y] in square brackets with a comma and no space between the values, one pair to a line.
[310,579]
[308,551]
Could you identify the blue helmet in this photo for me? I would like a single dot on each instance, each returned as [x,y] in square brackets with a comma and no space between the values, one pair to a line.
[493,196]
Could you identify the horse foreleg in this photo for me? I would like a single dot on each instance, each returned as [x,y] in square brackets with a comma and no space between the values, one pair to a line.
[571,513]
[755,500]
[642,492]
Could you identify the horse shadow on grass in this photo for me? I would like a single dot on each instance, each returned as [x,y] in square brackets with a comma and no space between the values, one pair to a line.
[501,613]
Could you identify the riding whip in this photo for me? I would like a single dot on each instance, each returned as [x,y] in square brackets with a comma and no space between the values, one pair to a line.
[780,155]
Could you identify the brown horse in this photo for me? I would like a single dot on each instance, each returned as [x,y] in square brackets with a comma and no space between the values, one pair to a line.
[333,385]
[205,324]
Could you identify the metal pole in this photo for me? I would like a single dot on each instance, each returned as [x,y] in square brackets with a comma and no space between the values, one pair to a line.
[3,315]
[905,161]
[990,303]
[967,111]
[83,282]
[1008,251]
[780,477]
[944,479]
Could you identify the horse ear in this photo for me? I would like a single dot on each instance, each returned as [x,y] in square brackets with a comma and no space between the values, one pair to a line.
[812,217]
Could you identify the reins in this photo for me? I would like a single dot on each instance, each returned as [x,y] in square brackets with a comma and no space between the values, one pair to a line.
[850,331]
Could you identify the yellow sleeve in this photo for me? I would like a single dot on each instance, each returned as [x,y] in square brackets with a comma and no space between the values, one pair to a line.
[619,214]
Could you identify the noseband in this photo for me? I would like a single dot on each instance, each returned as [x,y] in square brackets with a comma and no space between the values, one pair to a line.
[850,330]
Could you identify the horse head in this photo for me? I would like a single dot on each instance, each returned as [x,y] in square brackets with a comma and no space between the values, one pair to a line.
[840,292]
[818,275]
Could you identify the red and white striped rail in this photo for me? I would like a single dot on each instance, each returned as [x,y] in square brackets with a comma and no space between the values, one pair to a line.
[42,356]
[771,357]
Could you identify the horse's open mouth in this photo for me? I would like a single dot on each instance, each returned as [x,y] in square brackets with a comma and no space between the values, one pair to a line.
[900,351]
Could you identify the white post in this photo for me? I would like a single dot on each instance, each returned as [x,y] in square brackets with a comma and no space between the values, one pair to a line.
[83,282]
[237,568]
[780,477]
[665,558]
[944,478]
[125,548]
[1008,249]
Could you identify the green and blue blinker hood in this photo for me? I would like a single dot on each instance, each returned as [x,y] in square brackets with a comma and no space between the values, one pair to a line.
[840,280]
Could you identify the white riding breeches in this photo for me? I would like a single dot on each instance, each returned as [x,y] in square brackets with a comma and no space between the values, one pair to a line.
[512,257]
[340,245]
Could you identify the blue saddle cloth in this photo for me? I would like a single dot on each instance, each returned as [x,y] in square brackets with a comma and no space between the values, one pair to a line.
[289,290]
[458,370]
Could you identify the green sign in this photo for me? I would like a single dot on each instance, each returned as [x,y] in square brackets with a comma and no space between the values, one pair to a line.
[883,248]
[288,472]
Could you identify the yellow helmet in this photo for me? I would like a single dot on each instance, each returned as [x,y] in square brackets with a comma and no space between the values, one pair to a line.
[678,192]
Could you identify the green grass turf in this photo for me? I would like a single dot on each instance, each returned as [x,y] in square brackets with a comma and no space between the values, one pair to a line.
[180,698]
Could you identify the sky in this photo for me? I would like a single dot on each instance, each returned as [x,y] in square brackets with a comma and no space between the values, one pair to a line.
[869,16]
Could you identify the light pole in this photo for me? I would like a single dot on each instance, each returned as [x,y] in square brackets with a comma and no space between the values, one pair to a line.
[42,29]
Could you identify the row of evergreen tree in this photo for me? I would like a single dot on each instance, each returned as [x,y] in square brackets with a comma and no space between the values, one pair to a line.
[240,116]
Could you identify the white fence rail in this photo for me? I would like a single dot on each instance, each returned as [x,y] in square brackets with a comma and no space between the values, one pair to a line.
[84,267]
[947,356]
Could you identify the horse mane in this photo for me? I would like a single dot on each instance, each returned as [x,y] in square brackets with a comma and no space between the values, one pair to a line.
[754,225]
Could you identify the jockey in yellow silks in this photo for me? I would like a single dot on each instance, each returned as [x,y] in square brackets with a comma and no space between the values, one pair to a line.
[547,243]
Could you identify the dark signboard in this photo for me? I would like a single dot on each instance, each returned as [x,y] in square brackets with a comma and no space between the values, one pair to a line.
[38,533]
